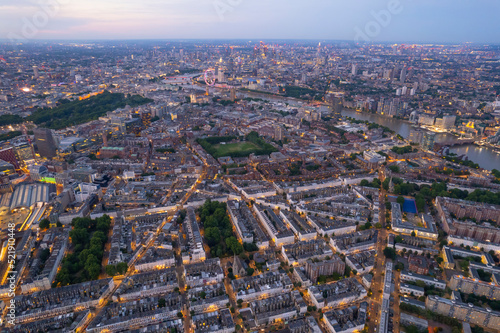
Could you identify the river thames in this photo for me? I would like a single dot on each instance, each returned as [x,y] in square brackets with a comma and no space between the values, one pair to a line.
[486,157]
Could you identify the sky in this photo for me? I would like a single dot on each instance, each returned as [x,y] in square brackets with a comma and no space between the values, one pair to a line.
[439,21]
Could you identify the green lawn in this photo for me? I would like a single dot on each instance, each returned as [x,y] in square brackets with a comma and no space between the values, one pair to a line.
[229,148]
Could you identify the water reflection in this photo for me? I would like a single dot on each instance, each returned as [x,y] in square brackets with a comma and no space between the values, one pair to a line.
[484,156]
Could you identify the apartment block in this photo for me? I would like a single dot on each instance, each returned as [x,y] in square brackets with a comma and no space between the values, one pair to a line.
[464,312]
[118,317]
[356,242]
[208,297]
[279,307]
[247,227]
[147,284]
[220,321]
[474,286]
[58,301]
[298,225]
[430,281]
[207,272]
[331,295]
[332,227]
[191,228]
[300,252]
[261,286]
[315,269]
[411,290]
[350,319]
[274,226]
[451,210]
[362,262]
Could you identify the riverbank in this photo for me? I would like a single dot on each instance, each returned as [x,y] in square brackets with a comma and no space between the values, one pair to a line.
[486,157]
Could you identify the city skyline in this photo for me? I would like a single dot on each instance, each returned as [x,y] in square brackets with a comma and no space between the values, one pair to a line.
[379,21]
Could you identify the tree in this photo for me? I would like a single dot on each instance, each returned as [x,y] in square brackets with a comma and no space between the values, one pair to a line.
[212,236]
[69,113]
[250,271]
[180,315]
[121,267]
[44,224]
[44,254]
[79,236]
[420,202]
[103,223]
[412,329]
[413,234]
[420,284]
[93,270]
[250,247]
[347,271]
[394,168]
[162,303]
[390,253]
[400,200]
[111,270]
[233,244]
[203,295]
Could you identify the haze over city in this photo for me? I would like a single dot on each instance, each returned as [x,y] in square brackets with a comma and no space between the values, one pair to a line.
[443,21]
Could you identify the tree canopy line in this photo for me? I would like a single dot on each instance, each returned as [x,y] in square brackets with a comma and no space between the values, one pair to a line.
[425,193]
[10,119]
[404,150]
[460,161]
[87,238]
[69,113]
[218,229]
[300,92]
[10,135]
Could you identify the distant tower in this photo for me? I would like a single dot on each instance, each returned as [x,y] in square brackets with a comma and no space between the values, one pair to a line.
[45,142]
[336,107]
[36,74]
[391,186]
[354,69]
[278,133]
[402,77]
[104,139]
[233,94]
[221,77]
